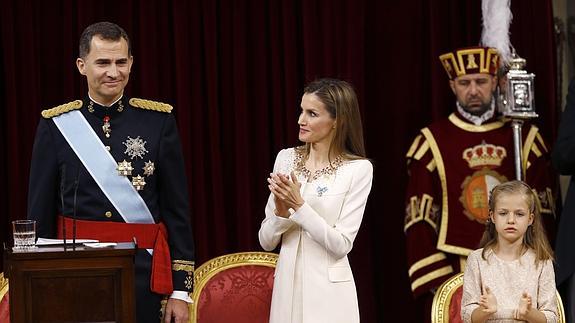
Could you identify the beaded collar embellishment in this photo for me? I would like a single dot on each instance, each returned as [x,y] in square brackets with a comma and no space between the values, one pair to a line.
[326,171]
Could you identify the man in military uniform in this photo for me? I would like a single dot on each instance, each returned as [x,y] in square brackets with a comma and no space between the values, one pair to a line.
[453,164]
[117,165]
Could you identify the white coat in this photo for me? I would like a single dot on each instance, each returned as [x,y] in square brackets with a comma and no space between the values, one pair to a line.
[313,280]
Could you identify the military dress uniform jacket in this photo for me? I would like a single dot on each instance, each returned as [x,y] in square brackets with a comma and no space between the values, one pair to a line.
[138,131]
[452,167]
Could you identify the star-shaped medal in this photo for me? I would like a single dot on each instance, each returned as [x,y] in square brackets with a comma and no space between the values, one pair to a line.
[124,168]
[135,147]
[138,182]
[149,168]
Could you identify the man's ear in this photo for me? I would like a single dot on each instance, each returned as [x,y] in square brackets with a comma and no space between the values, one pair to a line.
[452,85]
[81,65]
[495,83]
[130,63]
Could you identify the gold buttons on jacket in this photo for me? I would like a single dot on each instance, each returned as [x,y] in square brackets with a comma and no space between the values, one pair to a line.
[108,214]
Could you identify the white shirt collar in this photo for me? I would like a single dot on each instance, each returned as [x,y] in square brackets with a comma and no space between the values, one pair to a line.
[477,120]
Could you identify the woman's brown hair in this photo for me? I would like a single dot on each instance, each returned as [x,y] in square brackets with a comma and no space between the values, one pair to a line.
[535,236]
[340,101]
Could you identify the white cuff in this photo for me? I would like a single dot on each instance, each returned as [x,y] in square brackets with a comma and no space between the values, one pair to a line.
[281,224]
[182,295]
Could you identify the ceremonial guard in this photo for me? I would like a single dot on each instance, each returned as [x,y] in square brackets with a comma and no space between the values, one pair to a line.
[115,164]
[454,163]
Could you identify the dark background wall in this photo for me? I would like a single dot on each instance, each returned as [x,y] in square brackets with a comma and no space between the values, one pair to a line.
[234,70]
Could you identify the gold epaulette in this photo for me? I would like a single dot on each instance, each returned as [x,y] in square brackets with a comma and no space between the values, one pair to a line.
[150,105]
[56,111]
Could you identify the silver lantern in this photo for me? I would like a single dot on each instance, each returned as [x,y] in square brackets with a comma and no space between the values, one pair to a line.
[520,91]
[518,103]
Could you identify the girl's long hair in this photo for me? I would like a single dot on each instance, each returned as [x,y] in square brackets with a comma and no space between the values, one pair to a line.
[535,236]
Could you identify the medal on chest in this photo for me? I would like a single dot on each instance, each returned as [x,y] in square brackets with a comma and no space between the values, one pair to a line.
[135,148]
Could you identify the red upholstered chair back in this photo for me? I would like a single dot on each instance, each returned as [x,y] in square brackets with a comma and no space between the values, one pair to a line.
[4,305]
[446,307]
[234,288]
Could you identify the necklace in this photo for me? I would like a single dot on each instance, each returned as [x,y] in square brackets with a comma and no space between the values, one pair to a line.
[326,171]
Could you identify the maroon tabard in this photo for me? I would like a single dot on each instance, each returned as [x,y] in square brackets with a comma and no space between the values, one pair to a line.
[452,166]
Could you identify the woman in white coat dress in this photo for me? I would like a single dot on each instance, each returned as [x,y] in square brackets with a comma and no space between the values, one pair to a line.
[318,195]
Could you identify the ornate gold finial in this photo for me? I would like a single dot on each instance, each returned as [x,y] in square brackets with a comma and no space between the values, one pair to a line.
[150,105]
[56,111]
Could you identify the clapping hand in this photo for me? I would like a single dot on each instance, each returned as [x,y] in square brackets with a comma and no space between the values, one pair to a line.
[525,304]
[286,191]
[280,207]
[488,301]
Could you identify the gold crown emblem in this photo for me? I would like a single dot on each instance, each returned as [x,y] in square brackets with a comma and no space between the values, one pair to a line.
[484,155]
[470,60]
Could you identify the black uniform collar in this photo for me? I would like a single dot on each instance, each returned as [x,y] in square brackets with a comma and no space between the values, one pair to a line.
[101,111]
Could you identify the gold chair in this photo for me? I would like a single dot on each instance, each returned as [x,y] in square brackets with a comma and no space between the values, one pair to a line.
[4,305]
[234,288]
[446,306]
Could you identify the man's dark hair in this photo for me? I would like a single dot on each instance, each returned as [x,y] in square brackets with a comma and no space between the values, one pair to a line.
[105,30]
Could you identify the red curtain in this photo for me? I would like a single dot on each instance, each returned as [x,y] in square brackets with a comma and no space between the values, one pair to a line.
[234,70]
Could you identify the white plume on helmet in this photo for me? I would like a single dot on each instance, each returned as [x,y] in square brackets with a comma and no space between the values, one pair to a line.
[496,20]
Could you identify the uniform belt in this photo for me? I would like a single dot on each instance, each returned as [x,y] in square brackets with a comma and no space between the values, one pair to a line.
[149,236]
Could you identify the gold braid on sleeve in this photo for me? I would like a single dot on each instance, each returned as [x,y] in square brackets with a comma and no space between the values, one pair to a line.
[188,267]
[183,265]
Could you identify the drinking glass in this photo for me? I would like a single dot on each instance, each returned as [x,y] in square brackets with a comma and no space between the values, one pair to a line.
[24,234]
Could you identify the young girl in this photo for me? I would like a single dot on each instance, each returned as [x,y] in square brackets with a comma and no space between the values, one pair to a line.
[511,278]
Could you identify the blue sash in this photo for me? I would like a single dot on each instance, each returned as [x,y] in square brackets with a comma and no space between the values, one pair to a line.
[102,166]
